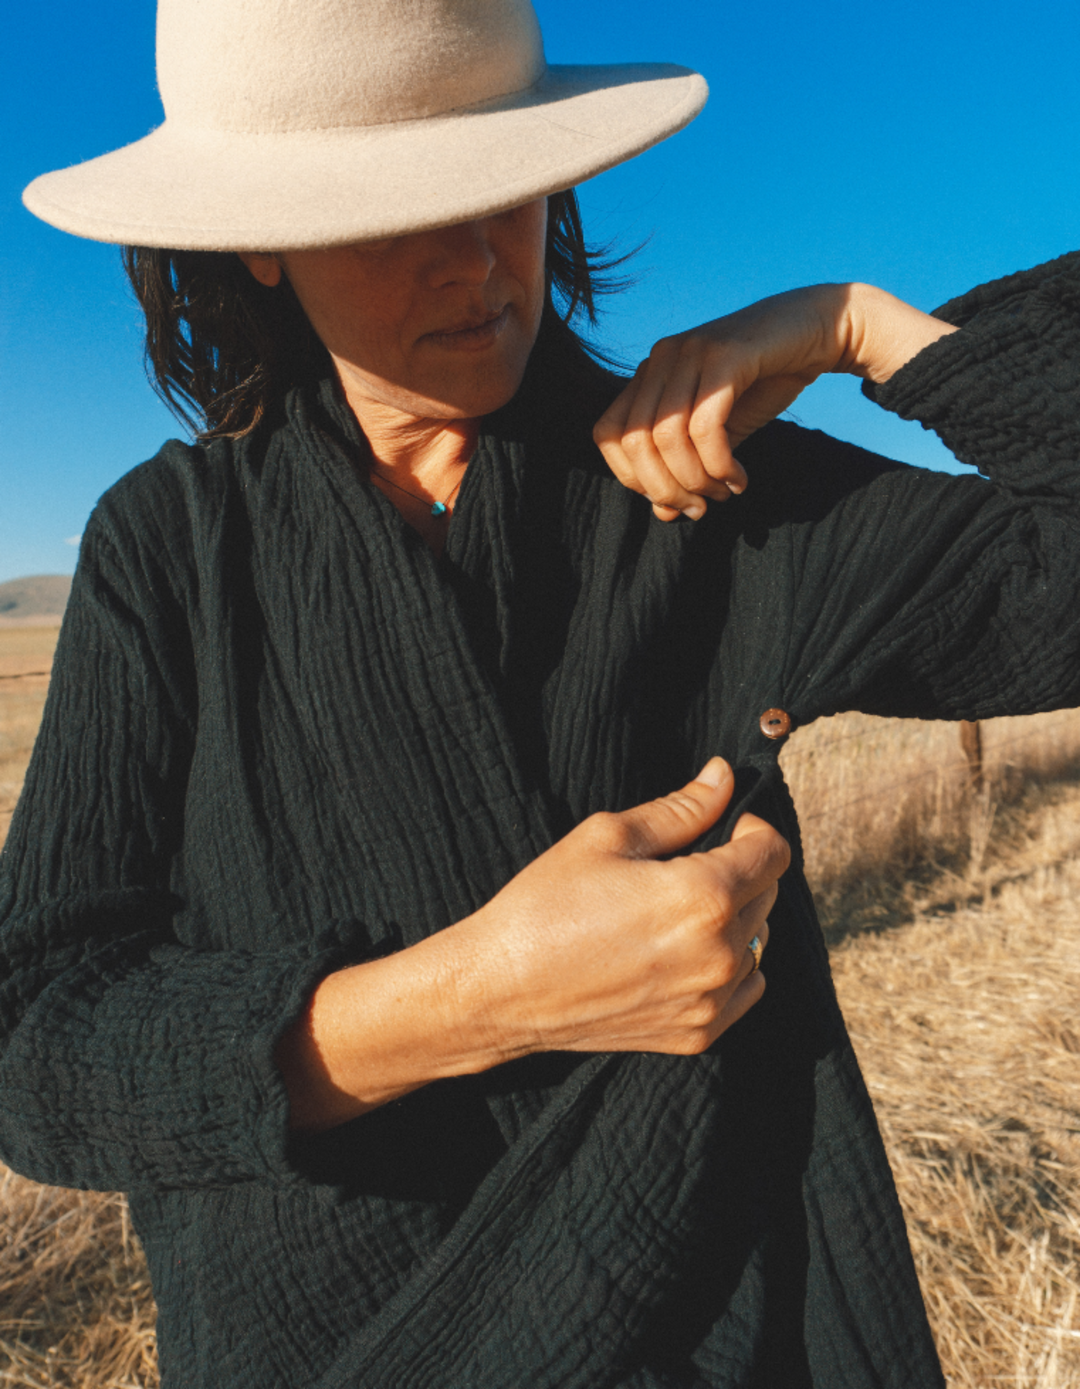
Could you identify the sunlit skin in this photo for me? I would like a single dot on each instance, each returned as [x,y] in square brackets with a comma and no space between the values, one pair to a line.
[428,333]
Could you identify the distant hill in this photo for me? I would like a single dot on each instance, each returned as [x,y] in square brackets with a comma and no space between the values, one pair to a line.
[37,601]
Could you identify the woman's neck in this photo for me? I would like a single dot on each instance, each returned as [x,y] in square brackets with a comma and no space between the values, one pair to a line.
[418,448]
[418,463]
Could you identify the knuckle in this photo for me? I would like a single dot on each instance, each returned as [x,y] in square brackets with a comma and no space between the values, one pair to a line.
[606,830]
[663,348]
[669,430]
[701,428]
[666,494]
[702,1014]
[776,846]
[726,968]
[683,804]
[692,1043]
[638,438]
[723,905]
[692,343]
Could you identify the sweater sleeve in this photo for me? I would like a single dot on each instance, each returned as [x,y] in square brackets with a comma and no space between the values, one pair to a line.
[127,1058]
[912,593]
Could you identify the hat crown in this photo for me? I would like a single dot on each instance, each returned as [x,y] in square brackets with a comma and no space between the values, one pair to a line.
[274,66]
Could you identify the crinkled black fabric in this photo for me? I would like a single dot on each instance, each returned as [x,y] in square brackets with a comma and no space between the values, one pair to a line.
[282,736]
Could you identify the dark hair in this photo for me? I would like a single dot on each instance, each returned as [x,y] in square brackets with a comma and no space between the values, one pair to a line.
[222,350]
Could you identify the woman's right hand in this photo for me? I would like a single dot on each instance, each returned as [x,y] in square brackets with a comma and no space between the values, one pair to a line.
[609,941]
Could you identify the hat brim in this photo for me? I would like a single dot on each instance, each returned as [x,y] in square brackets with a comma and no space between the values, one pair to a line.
[193,189]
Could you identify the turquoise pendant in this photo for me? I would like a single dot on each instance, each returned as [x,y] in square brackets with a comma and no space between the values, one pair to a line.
[439,509]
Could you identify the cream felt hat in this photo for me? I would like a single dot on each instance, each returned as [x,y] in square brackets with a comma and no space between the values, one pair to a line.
[301,123]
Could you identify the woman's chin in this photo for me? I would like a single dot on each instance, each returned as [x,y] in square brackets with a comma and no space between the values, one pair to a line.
[482,393]
[474,386]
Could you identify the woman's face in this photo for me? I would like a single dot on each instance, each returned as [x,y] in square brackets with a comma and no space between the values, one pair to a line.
[434,325]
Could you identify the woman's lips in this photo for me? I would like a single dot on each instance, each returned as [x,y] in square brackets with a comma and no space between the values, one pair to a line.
[472,337]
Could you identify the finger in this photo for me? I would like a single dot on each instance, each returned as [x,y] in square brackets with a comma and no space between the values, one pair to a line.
[751,824]
[677,418]
[750,863]
[690,423]
[760,403]
[659,451]
[746,994]
[625,470]
[753,922]
[624,435]
[608,435]
[674,821]
[656,480]
[611,424]
[707,429]
[627,473]
[671,513]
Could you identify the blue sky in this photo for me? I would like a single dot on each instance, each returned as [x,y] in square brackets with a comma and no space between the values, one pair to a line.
[924,148]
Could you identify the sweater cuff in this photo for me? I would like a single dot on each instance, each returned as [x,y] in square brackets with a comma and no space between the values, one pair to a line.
[1004,392]
[154,1066]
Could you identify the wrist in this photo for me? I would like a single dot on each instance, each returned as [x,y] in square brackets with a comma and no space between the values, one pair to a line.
[884,333]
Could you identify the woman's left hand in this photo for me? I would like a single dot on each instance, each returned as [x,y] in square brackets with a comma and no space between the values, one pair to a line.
[670,434]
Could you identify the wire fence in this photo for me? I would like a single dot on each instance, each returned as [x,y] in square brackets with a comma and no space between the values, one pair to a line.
[975,764]
[794,752]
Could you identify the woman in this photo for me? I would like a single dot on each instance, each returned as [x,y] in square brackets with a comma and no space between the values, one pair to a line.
[351,921]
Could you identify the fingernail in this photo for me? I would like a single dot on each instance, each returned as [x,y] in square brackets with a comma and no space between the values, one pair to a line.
[693,513]
[713,773]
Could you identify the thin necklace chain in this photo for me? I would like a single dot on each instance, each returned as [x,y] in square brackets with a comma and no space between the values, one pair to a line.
[437,508]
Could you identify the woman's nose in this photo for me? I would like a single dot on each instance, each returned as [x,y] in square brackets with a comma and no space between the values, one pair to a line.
[465,254]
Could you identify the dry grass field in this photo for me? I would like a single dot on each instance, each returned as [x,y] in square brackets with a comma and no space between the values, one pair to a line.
[25,661]
[953,916]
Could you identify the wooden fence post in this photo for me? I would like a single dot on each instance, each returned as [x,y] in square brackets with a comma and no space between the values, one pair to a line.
[971,744]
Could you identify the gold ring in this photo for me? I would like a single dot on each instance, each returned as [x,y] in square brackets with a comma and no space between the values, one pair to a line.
[757,950]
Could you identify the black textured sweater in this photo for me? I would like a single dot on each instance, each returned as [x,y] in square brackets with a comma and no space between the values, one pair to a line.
[282,736]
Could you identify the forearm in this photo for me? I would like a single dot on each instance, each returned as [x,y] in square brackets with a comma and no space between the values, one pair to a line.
[375,1031]
[603,943]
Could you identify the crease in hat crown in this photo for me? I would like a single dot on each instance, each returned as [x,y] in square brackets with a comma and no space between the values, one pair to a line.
[295,124]
[254,67]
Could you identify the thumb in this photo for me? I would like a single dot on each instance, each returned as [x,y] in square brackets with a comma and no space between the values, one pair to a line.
[674,821]
[762,402]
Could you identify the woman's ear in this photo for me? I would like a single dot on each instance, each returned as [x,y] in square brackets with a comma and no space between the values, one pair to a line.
[264,265]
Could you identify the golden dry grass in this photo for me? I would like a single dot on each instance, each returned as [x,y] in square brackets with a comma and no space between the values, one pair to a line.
[954,920]
[25,659]
[967,1024]
[75,1302]
[954,924]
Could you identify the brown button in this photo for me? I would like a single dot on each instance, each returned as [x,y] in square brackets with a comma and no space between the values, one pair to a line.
[775,723]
